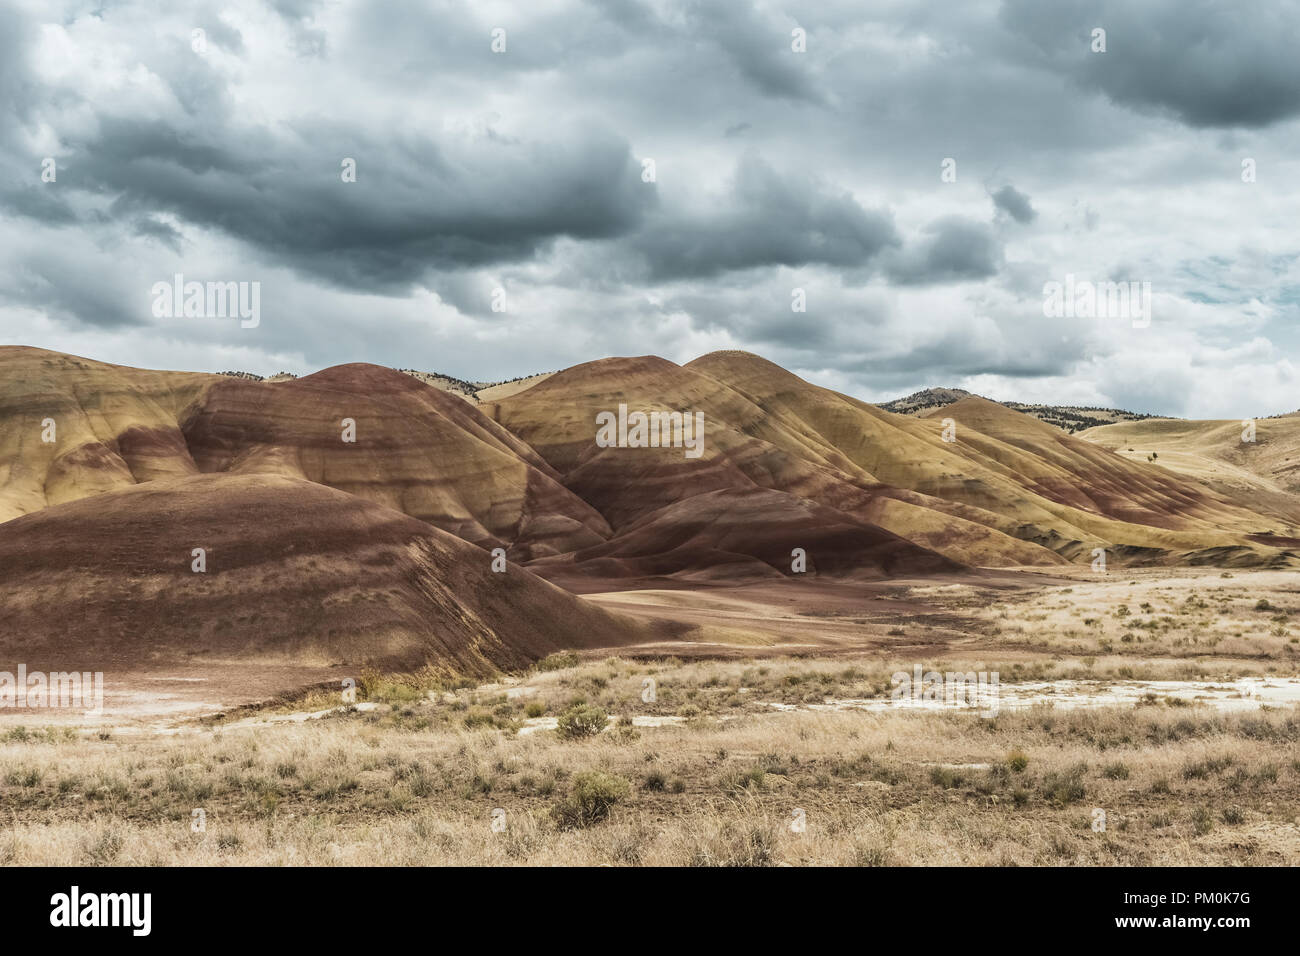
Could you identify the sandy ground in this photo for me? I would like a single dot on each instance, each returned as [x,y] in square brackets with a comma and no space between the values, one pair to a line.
[806,618]
[162,698]
[829,618]
[1000,615]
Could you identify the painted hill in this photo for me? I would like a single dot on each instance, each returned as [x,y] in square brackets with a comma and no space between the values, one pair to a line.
[71,427]
[1008,490]
[295,571]
[784,465]
[1266,470]
[417,449]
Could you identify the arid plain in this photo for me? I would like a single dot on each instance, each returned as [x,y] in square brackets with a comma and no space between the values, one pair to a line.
[375,616]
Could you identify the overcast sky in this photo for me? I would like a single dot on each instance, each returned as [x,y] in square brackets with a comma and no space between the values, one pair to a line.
[525,171]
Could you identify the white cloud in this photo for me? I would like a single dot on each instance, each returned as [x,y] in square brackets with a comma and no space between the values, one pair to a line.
[488,169]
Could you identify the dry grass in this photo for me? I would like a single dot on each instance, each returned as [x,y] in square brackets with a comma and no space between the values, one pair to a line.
[410,783]
[1241,616]
[417,778]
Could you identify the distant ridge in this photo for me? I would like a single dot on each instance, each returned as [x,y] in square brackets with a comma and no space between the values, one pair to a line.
[472,392]
[477,392]
[1069,418]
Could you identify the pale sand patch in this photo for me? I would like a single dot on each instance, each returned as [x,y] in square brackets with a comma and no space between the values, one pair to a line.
[1244,695]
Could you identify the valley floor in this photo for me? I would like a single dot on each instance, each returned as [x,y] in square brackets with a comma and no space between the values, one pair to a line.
[1141,717]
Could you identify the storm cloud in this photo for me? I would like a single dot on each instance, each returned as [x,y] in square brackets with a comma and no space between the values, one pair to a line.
[1209,64]
[488,191]
[1015,204]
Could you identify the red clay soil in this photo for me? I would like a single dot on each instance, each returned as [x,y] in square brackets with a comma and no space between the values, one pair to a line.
[741,534]
[295,572]
[324,553]
[418,449]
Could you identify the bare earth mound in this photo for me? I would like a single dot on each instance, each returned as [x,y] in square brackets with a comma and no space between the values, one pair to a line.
[997,489]
[417,449]
[295,572]
[347,517]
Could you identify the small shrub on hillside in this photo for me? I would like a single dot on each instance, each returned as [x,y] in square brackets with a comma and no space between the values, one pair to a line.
[557,662]
[582,720]
[592,794]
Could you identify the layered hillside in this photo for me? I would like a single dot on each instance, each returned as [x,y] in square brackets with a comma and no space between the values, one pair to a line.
[1006,490]
[786,471]
[1213,450]
[292,571]
[70,427]
[415,448]
[652,497]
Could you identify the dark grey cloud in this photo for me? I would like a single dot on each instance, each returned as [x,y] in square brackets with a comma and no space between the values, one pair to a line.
[17,86]
[1015,204]
[758,45]
[416,205]
[766,219]
[163,232]
[817,170]
[222,34]
[294,10]
[308,39]
[952,249]
[41,201]
[440,45]
[1208,64]
[100,298]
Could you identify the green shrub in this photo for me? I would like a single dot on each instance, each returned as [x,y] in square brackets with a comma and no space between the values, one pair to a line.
[582,720]
[559,661]
[1064,787]
[592,794]
[736,781]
